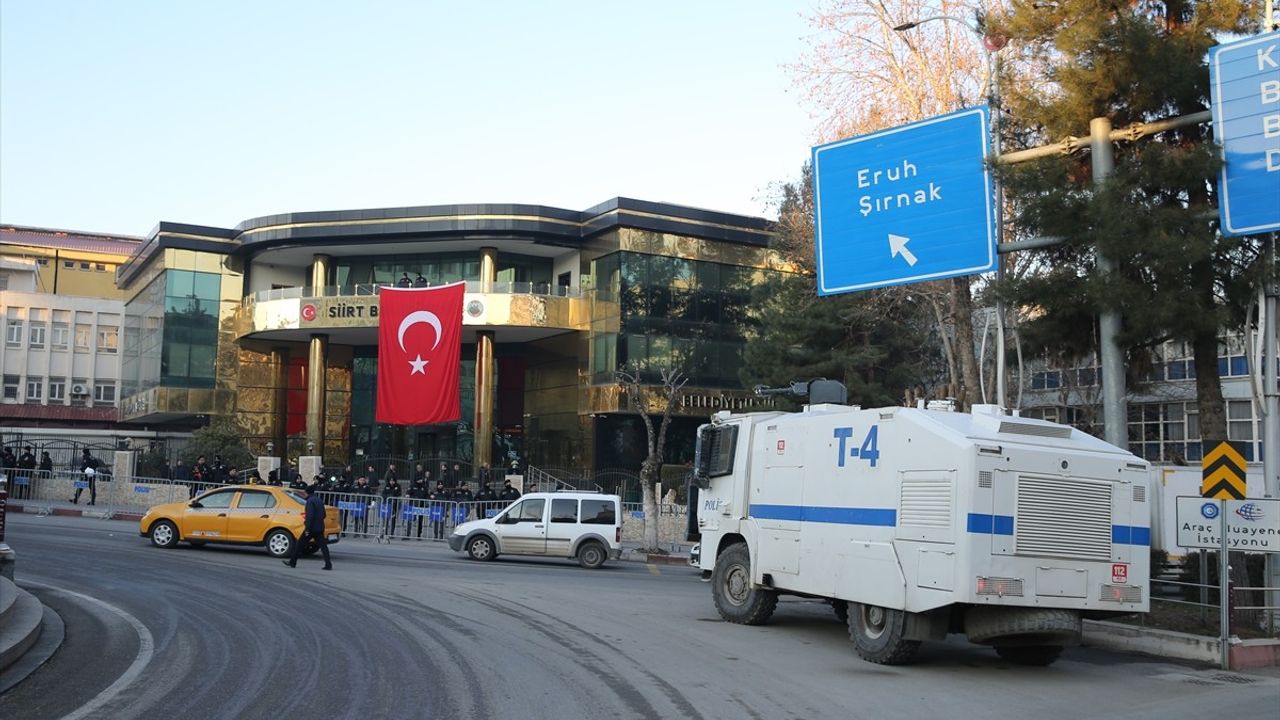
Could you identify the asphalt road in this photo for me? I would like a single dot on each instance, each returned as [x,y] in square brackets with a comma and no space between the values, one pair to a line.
[413,631]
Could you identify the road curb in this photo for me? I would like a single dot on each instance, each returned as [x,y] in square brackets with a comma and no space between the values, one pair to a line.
[1182,646]
[93,513]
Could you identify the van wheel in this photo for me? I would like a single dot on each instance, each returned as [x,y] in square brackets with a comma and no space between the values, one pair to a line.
[878,634]
[591,555]
[1033,655]
[737,600]
[164,534]
[481,548]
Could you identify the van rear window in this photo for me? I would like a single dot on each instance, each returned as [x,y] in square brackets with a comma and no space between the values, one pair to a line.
[599,512]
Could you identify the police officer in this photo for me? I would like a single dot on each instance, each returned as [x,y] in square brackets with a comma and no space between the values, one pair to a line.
[487,500]
[418,493]
[391,492]
[439,508]
[363,493]
[296,483]
[463,495]
[509,494]
[89,470]
[26,468]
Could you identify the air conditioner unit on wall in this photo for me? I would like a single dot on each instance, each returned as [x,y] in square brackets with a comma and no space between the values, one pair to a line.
[79,389]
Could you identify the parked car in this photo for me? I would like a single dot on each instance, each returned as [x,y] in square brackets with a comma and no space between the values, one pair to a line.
[581,525]
[248,515]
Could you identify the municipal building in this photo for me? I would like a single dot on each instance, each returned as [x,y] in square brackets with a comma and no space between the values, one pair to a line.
[274,324]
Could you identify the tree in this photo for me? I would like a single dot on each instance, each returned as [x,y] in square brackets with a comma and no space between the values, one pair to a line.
[219,438]
[648,402]
[1177,277]
[870,341]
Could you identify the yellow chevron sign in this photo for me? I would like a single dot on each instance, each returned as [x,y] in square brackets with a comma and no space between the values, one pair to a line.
[1223,473]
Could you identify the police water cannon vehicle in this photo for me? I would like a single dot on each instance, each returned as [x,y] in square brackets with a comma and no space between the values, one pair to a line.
[915,523]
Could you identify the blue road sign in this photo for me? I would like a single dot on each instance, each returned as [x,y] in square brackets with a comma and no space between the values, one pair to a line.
[907,204]
[1245,80]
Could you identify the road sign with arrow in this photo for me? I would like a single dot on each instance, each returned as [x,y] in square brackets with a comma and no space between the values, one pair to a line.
[907,204]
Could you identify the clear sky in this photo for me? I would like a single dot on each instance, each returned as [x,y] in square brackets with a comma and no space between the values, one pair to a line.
[116,115]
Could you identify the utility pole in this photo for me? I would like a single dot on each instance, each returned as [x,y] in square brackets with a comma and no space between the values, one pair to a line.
[1115,424]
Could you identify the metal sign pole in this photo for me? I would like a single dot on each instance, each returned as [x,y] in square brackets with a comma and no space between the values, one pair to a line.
[1224,591]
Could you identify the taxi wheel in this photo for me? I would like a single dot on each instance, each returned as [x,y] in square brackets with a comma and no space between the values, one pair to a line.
[164,534]
[280,543]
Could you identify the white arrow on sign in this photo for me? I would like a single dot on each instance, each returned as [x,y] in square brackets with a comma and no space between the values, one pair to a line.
[898,246]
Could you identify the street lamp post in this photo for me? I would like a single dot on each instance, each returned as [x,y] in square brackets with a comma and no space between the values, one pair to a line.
[992,45]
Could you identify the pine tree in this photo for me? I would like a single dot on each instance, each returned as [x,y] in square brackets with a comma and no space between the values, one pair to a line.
[1177,278]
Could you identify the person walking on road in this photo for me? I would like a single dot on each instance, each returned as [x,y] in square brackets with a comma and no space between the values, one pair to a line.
[89,470]
[312,528]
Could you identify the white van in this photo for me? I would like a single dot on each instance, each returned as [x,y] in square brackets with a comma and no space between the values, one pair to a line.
[582,525]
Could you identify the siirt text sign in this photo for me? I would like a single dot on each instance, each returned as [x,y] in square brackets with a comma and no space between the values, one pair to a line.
[906,204]
[1245,81]
[1252,525]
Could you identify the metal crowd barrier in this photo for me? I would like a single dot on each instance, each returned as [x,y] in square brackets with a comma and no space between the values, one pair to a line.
[404,518]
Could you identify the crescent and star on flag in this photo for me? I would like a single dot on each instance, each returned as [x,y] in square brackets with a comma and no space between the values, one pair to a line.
[425,317]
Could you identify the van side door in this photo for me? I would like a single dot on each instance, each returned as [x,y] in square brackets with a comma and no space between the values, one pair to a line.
[523,530]
[562,526]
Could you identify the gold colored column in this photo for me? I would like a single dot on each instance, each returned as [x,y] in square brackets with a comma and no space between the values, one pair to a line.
[280,404]
[315,390]
[319,274]
[485,376]
[488,268]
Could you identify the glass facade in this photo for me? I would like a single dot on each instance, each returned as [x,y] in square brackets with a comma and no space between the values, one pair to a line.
[674,312]
[437,269]
[171,332]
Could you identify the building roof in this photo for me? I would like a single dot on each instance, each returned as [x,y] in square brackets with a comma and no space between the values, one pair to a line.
[69,240]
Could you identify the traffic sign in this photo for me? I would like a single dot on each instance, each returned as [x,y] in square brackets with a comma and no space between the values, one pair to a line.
[1252,525]
[906,204]
[1245,81]
[1223,473]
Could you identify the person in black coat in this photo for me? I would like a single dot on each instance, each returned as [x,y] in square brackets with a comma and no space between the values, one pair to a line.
[391,492]
[487,500]
[312,528]
[362,493]
[418,493]
[509,494]
[439,510]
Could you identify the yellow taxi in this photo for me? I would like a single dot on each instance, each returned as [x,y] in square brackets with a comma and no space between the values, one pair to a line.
[245,514]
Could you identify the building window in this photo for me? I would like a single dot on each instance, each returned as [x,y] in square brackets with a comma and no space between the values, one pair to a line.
[11,387]
[61,335]
[105,394]
[1165,432]
[1240,425]
[13,334]
[37,336]
[100,267]
[83,334]
[108,339]
[84,266]
[42,261]
[4,281]
[57,390]
[69,264]
[35,390]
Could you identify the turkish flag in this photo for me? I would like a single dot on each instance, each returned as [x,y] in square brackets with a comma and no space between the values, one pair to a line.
[419,351]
